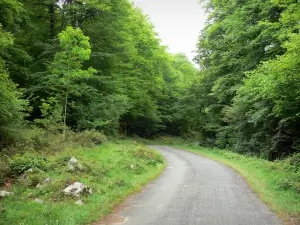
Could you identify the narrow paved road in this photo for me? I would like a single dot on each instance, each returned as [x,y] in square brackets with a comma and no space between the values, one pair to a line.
[193,191]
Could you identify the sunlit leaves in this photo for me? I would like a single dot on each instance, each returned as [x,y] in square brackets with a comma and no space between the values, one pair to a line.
[75,50]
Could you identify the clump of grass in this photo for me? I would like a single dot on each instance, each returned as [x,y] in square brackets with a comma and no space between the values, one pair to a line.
[150,157]
[113,171]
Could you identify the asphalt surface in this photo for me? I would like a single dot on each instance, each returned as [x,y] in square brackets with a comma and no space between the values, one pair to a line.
[193,190]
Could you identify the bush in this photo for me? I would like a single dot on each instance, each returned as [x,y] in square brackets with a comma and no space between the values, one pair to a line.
[4,171]
[21,163]
[295,160]
[35,139]
[149,156]
[291,182]
[88,138]
[31,179]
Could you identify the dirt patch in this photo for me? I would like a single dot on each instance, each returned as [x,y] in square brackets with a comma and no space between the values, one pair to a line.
[113,218]
[110,220]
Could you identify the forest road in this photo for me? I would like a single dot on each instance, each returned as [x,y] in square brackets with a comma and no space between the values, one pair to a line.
[193,190]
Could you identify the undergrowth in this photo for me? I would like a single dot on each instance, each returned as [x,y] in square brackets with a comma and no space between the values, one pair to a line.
[112,170]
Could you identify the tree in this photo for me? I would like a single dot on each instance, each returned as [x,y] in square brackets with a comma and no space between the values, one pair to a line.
[247,53]
[66,68]
[11,105]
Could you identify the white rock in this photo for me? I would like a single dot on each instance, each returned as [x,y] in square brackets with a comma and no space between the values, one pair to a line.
[47,180]
[5,194]
[73,164]
[132,166]
[40,201]
[30,170]
[73,161]
[79,202]
[77,189]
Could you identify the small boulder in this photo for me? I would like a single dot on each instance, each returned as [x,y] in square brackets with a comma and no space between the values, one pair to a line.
[29,170]
[39,201]
[4,194]
[73,161]
[132,166]
[74,165]
[77,189]
[79,202]
[47,180]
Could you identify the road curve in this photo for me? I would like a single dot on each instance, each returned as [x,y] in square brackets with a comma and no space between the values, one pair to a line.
[193,190]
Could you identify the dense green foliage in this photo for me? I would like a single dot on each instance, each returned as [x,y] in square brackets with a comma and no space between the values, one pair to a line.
[85,65]
[99,65]
[247,97]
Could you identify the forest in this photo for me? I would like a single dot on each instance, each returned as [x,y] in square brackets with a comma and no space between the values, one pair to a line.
[81,65]
[247,97]
[86,65]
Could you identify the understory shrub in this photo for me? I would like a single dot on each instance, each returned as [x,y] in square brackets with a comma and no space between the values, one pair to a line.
[34,142]
[295,161]
[88,138]
[21,163]
[36,139]
[4,171]
[291,166]
[149,156]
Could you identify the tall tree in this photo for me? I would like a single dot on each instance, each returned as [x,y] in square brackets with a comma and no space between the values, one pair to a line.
[11,104]
[239,36]
[66,68]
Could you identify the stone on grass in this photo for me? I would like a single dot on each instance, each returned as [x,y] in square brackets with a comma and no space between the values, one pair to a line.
[29,170]
[39,201]
[46,181]
[4,194]
[73,161]
[79,202]
[77,189]
[74,165]
[132,166]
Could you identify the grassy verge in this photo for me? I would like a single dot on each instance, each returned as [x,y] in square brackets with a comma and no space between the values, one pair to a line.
[112,170]
[276,183]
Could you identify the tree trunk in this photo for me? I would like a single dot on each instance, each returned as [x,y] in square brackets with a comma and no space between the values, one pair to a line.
[65,115]
[52,20]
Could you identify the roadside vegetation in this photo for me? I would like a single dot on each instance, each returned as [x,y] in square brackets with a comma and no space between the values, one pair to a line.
[113,171]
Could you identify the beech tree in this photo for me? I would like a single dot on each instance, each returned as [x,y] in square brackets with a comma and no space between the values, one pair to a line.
[66,68]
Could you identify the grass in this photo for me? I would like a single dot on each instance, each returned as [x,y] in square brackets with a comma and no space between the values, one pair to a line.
[107,169]
[272,181]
